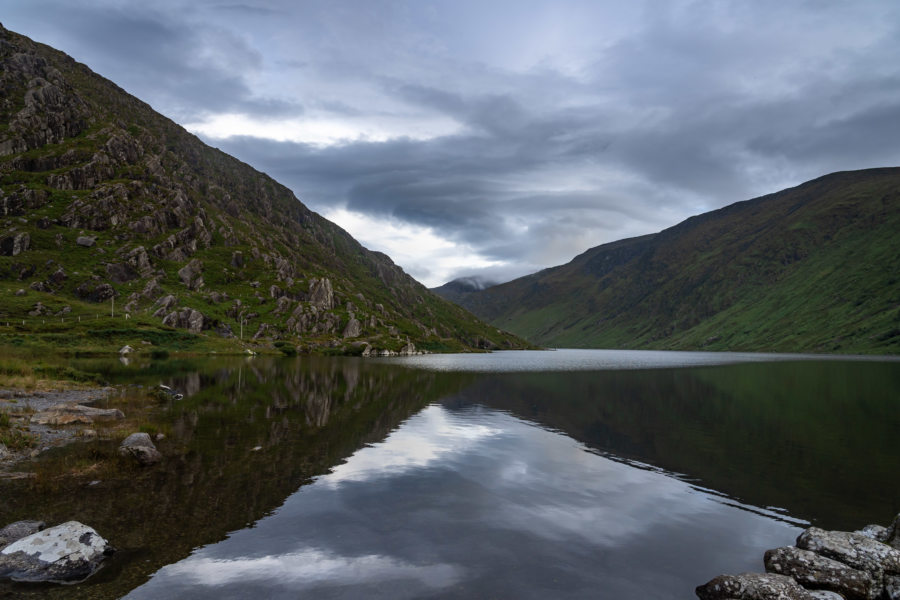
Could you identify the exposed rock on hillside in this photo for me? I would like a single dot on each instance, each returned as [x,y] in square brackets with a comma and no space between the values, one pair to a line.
[102,200]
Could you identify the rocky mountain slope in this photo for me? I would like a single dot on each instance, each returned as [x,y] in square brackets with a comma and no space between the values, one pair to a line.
[813,268]
[112,213]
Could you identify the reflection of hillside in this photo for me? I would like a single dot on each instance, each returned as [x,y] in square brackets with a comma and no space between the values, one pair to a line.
[307,416]
[818,439]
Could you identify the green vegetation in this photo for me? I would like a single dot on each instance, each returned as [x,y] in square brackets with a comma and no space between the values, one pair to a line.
[161,215]
[810,269]
[12,436]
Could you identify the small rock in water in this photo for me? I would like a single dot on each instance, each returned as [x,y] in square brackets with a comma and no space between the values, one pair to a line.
[140,446]
[67,553]
[163,391]
[18,530]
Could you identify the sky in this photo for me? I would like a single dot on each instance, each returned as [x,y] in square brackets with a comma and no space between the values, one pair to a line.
[494,138]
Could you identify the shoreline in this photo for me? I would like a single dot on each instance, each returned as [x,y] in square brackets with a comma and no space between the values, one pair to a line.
[20,405]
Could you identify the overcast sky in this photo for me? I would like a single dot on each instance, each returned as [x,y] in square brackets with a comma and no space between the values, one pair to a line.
[499,137]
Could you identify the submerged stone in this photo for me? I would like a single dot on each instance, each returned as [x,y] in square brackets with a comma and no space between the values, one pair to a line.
[67,553]
[140,446]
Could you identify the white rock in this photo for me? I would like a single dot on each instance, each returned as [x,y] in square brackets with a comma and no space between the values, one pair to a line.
[66,553]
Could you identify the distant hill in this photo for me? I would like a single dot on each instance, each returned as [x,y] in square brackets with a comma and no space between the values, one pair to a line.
[459,289]
[104,202]
[815,268]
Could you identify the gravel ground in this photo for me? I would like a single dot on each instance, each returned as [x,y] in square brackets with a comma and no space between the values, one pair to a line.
[20,405]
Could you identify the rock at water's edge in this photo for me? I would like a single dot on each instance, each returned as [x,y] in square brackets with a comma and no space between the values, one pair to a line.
[67,553]
[817,572]
[753,586]
[853,549]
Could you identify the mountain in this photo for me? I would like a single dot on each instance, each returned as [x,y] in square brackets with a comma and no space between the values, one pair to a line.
[815,268]
[459,289]
[118,225]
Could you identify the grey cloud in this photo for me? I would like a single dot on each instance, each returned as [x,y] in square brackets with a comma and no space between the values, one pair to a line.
[693,106]
[195,69]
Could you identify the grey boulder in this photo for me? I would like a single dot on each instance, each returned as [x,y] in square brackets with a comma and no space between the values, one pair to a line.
[817,572]
[753,586]
[141,448]
[67,553]
[853,549]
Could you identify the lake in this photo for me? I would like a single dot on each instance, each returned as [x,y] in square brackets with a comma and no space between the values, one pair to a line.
[555,474]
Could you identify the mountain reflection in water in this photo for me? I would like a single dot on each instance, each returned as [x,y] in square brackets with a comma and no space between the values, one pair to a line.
[378,480]
[477,503]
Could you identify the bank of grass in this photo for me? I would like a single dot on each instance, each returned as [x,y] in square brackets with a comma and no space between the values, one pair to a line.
[31,370]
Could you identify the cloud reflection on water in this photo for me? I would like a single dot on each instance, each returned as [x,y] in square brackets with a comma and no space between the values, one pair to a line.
[463,502]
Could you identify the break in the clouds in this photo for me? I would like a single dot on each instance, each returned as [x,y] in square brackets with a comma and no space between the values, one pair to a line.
[498,138]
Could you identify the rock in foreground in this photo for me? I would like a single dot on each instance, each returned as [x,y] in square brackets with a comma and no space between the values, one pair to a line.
[753,586]
[861,565]
[67,553]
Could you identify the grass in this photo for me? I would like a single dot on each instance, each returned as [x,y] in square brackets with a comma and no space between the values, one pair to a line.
[13,436]
[178,178]
[812,269]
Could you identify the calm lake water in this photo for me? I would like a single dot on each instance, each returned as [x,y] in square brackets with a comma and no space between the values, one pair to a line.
[566,474]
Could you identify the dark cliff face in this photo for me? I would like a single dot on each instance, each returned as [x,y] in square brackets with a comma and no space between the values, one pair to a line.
[101,198]
[809,269]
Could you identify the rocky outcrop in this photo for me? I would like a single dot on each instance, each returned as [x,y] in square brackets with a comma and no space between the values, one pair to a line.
[144,203]
[22,200]
[188,318]
[321,294]
[353,328]
[191,274]
[849,565]
[163,306]
[140,447]
[67,553]
[90,290]
[15,244]
[70,413]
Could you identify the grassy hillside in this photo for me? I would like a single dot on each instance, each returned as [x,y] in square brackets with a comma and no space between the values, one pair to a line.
[109,209]
[809,269]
